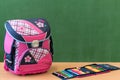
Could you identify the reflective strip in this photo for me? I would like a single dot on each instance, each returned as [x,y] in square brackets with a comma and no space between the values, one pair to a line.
[8,60]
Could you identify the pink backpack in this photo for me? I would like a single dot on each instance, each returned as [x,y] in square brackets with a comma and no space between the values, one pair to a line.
[28,46]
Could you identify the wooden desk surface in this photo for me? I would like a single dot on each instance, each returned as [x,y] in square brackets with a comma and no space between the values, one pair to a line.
[56,66]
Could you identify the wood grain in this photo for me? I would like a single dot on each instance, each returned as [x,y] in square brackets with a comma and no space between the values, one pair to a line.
[56,66]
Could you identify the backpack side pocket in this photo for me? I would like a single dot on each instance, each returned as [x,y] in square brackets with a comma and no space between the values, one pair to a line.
[9,56]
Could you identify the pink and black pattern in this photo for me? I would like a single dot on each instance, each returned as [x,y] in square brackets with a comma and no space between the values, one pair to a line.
[27,59]
[28,46]
[38,53]
[16,53]
[23,28]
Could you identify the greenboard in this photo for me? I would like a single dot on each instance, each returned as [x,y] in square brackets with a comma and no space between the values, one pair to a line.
[83,30]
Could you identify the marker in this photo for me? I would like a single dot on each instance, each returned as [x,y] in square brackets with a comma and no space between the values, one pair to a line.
[73,72]
[59,75]
[66,73]
[98,67]
[78,71]
[91,68]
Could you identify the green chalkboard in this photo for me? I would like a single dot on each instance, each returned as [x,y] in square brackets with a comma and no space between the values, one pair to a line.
[83,30]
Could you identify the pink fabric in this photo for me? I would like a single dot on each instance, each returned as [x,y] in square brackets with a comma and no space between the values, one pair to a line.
[21,51]
[46,44]
[41,36]
[42,66]
[32,25]
[47,60]
[35,37]
[42,63]
[8,43]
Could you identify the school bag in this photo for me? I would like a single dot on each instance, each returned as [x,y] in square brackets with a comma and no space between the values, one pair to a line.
[28,46]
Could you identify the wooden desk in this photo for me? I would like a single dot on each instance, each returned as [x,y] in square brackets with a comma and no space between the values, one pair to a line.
[56,66]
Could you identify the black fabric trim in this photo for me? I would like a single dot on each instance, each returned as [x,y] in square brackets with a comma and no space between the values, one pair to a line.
[51,46]
[13,33]
[32,60]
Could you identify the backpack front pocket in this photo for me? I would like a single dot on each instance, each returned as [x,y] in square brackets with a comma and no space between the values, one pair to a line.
[35,60]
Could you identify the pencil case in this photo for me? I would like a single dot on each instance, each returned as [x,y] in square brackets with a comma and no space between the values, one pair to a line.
[87,70]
